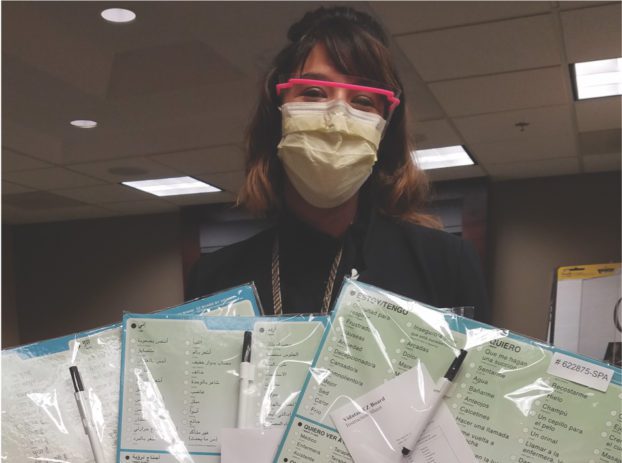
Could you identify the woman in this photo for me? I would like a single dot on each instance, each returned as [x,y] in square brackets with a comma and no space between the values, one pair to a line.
[329,159]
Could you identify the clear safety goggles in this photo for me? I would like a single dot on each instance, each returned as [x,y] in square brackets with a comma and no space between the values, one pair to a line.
[361,94]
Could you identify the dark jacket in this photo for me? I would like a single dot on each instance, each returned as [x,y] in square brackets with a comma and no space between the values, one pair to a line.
[427,265]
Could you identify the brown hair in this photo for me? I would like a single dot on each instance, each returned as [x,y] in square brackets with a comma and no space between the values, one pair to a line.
[356,45]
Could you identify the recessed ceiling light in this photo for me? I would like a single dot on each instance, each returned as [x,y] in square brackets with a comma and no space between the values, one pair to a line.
[84,123]
[173,186]
[438,158]
[118,15]
[595,79]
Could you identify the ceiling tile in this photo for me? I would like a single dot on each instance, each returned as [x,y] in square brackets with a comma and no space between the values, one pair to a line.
[501,92]
[435,134]
[543,168]
[79,61]
[229,181]
[455,173]
[165,67]
[402,17]
[150,206]
[572,5]
[528,149]
[104,194]
[420,100]
[225,158]
[602,162]
[593,33]
[468,51]
[13,162]
[50,179]
[11,188]
[126,169]
[172,135]
[600,142]
[599,114]
[40,200]
[34,143]
[548,121]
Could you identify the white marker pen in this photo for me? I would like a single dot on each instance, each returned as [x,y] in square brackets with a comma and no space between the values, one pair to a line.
[247,375]
[85,414]
[441,389]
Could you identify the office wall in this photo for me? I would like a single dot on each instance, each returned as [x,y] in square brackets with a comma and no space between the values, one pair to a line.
[78,275]
[539,224]
[10,328]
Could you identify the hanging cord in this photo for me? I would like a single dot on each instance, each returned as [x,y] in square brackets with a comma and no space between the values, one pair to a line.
[276,280]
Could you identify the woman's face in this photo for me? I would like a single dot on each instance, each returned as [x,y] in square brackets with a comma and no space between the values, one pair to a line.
[318,66]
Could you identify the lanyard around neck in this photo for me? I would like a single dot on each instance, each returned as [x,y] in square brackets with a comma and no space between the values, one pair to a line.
[276,279]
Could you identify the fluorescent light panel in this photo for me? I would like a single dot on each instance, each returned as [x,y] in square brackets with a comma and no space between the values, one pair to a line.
[173,186]
[438,158]
[595,79]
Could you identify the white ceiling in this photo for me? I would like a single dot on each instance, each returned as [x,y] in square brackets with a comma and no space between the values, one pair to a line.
[172,93]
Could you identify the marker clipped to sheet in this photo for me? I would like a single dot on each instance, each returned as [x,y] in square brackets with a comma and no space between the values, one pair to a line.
[441,389]
[247,375]
[85,414]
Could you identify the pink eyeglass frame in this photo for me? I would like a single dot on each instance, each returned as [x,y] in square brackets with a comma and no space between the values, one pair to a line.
[326,83]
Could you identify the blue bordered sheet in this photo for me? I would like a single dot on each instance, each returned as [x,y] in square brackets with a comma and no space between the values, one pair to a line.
[40,419]
[180,380]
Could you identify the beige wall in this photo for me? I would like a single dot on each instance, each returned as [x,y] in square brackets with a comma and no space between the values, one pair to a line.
[78,275]
[539,224]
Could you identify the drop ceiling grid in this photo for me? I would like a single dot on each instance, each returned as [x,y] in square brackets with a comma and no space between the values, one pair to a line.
[14,162]
[435,133]
[225,158]
[177,136]
[9,188]
[408,17]
[72,59]
[50,179]
[206,123]
[484,49]
[24,140]
[527,149]
[150,169]
[546,121]
[501,92]
[592,33]
[599,114]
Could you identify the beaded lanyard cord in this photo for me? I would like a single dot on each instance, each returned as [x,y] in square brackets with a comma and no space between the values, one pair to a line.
[276,280]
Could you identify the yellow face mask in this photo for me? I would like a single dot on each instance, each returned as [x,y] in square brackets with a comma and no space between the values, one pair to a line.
[328,149]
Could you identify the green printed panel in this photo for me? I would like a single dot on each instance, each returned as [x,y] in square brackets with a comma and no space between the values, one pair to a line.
[282,354]
[180,385]
[510,409]
[504,401]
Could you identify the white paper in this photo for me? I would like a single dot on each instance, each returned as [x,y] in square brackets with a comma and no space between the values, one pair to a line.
[379,423]
[256,445]
[580,372]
